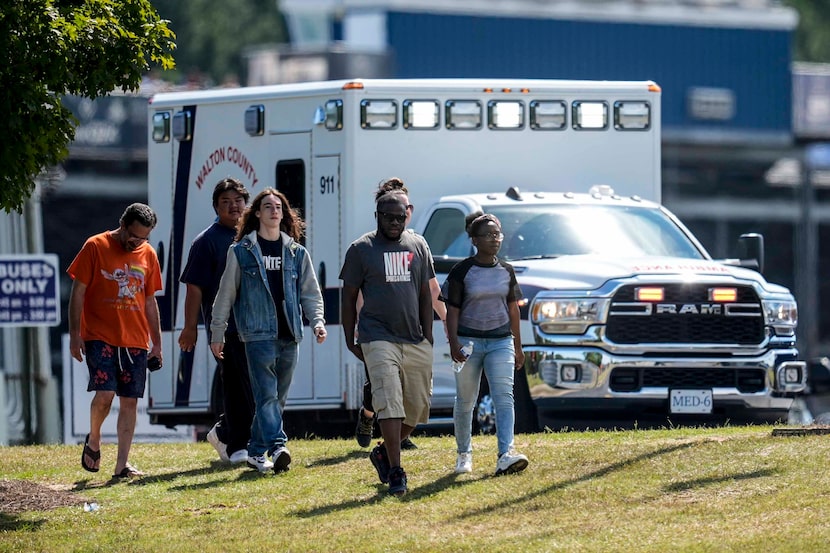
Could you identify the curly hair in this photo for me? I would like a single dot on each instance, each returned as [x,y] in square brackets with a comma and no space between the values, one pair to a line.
[392,184]
[292,224]
[475,225]
[141,213]
[468,220]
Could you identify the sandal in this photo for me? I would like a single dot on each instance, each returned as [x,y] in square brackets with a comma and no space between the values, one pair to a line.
[92,454]
[128,472]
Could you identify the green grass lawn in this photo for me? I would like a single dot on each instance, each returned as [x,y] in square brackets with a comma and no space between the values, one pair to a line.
[722,489]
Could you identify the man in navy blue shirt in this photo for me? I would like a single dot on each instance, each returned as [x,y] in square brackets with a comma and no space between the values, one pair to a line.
[205,265]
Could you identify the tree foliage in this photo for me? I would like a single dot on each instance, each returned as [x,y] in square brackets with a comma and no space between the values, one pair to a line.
[212,35]
[812,38]
[58,47]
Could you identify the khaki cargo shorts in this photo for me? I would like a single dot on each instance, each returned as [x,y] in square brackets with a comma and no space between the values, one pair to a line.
[401,377]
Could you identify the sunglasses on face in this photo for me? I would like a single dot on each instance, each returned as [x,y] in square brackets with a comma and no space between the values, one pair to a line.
[492,235]
[135,238]
[389,218]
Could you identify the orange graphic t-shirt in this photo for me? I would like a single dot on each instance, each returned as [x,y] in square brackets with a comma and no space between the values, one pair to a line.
[117,285]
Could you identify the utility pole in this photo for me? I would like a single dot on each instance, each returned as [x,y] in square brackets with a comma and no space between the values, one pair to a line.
[816,157]
[44,387]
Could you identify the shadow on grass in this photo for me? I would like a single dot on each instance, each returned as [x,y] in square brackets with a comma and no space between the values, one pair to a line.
[246,475]
[12,523]
[567,483]
[329,461]
[451,480]
[214,467]
[448,481]
[701,482]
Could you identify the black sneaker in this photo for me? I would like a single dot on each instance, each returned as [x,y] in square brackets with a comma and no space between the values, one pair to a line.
[407,444]
[365,427]
[281,459]
[397,481]
[380,460]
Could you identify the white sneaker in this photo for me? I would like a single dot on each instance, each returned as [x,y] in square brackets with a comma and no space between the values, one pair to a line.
[260,463]
[464,463]
[281,459]
[239,456]
[511,462]
[217,444]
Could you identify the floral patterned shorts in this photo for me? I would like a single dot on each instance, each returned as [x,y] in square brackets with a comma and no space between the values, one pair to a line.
[114,369]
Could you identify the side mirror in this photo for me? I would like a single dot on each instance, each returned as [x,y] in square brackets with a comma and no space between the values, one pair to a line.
[751,251]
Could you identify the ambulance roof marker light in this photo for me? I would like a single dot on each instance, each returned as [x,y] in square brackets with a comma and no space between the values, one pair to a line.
[332,115]
[463,114]
[254,120]
[653,87]
[378,114]
[353,85]
[161,126]
[505,114]
[600,191]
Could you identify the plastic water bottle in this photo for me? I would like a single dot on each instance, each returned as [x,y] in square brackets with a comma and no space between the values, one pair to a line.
[467,350]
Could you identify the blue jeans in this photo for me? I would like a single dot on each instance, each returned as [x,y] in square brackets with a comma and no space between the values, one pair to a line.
[271,367]
[496,357]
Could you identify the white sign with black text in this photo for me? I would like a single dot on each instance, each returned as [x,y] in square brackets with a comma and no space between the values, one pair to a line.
[29,290]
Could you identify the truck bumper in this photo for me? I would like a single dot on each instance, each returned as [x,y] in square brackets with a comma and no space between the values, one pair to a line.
[574,379]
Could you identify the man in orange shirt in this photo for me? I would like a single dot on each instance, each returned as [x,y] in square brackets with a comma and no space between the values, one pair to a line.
[113,319]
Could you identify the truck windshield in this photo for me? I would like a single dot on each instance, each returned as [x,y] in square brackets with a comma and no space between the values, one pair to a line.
[547,231]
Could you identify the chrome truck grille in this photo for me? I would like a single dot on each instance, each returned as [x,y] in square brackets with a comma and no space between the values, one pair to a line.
[686,315]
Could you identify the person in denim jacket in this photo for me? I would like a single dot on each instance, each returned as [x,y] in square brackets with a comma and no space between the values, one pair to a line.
[270,283]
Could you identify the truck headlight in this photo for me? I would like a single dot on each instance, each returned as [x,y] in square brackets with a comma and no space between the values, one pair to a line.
[568,315]
[781,315]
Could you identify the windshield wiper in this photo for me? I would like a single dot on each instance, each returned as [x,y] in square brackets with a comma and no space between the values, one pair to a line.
[529,257]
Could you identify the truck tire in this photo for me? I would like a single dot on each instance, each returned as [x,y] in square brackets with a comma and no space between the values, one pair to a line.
[484,415]
[527,421]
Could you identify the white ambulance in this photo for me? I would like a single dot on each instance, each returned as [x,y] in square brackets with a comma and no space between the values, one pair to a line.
[327,145]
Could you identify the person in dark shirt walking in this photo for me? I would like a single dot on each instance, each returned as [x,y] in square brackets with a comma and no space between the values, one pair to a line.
[392,269]
[205,265]
[366,414]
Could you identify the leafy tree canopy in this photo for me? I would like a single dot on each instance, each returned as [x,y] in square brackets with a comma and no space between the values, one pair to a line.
[58,47]
[212,35]
[812,38]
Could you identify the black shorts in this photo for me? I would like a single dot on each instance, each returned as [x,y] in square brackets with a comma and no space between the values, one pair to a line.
[114,369]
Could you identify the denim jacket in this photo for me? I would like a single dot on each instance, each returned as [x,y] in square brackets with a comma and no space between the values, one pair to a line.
[244,285]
